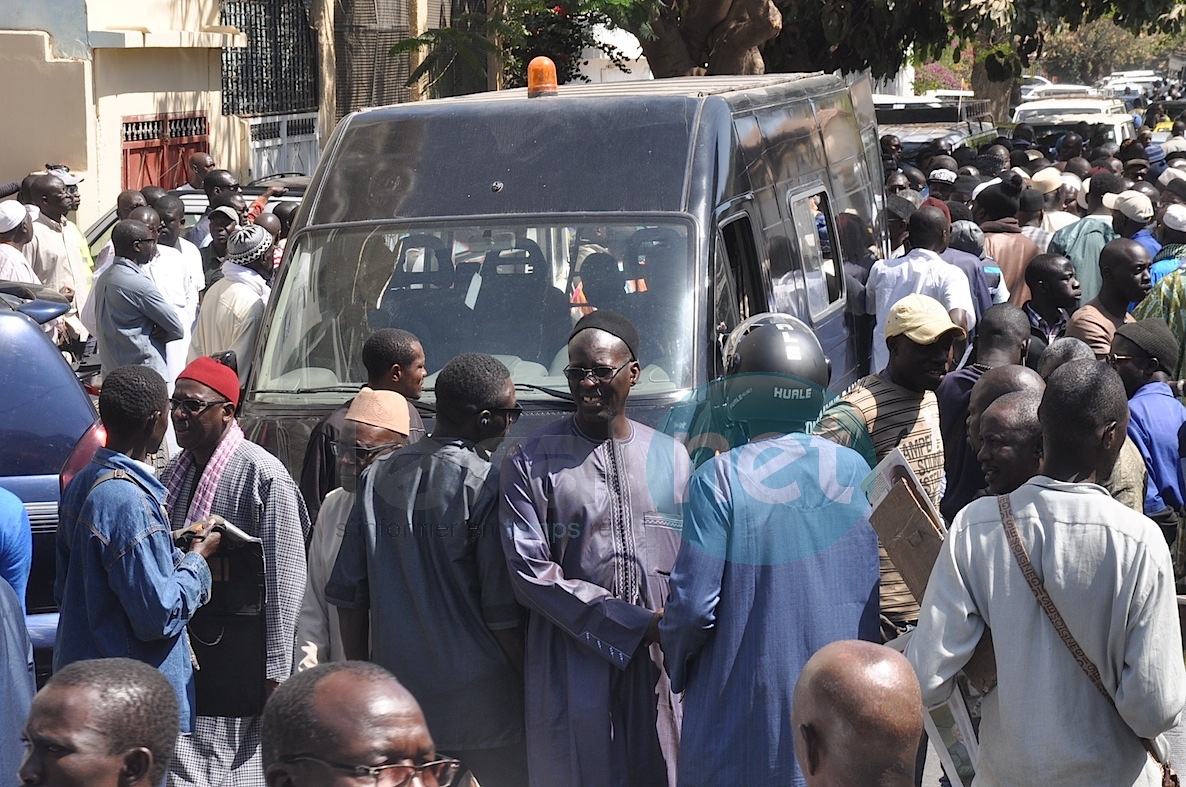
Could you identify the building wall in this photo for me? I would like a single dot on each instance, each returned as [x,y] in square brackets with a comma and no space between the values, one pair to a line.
[154,15]
[64,20]
[50,99]
[135,82]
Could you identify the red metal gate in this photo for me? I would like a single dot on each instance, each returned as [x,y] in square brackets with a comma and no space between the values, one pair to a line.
[156,148]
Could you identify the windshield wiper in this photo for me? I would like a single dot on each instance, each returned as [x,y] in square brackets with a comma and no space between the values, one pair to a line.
[323,389]
[556,392]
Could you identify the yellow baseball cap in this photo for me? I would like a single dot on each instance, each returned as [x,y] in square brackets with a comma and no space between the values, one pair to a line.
[921,319]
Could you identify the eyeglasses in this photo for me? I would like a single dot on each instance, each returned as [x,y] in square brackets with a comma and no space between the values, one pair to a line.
[1114,359]
[602,374]
[438,773]
[360,453]
[193,406]
[510,413]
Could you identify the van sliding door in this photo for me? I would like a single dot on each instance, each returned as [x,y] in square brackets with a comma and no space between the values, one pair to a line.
[736,276]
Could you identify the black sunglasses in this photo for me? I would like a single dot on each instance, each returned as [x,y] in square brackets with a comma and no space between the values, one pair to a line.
[193,406]
[602,374]
[510,413]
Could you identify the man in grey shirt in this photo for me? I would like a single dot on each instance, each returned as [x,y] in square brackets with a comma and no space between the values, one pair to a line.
[134,320]
[421,570]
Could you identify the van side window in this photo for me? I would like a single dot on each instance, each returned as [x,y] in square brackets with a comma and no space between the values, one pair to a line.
[726,315]
[823,266]
[744,266]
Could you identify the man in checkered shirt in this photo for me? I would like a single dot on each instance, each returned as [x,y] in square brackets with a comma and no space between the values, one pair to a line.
[220,472]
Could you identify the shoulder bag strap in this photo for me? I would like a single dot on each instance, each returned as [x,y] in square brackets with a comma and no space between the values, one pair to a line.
[1031,578]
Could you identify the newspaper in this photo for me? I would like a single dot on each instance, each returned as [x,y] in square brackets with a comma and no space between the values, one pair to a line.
[890,470]
[912,533]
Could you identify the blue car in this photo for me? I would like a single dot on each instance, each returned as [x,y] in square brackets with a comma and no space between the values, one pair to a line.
[48,425]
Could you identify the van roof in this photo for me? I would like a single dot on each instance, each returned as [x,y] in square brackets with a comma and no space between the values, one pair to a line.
[682,87]
[617,147]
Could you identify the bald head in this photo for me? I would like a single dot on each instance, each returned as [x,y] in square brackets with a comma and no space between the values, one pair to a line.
[1084,415]
[1063,350]
[269,222]
[857,716]
[1124,271]
[1011,441]
[127,201]
[333,708]
[199,165]
[991,386]
[929,229]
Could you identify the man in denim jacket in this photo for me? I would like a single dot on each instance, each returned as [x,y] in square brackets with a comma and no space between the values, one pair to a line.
[124,589]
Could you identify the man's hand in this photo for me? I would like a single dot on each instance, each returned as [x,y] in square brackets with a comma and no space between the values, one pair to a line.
[276,191]
[68,292]
[205,539]
[652,635]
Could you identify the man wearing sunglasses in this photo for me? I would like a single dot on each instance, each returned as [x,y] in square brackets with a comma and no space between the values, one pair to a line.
[376,424]
[421,560]
[590,515]
[350,723]
[220,472]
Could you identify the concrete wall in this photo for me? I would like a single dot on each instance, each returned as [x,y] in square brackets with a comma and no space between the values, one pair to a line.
[133,82]
[51,119]
[154,15]
[64,20]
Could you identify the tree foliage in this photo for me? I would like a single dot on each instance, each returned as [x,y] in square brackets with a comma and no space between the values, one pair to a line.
[1102,46]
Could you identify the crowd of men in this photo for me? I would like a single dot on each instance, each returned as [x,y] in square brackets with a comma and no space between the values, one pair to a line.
[597,609]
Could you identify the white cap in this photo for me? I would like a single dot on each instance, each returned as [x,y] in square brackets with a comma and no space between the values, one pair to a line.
[13,213]
[1171,174]
[942,176]
[67,177]
[1132,204]
[976,191]
[1174,218]
[1047,180]
[1081,199]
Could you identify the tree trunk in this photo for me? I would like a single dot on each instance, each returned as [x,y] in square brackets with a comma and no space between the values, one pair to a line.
[713,37]
[995,84]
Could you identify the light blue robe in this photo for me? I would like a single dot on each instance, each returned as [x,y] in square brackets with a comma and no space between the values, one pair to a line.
[778,559]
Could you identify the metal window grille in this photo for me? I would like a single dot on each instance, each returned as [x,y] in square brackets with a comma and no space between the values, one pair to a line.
[364,31]
[277,70]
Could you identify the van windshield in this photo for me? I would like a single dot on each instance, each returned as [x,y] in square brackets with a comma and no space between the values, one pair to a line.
[511,290]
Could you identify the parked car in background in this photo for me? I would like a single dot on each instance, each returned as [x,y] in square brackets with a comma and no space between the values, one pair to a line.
[1056,90]
[47,421]
[1049,129]
[917,121]
[196,204]
[1030,82]
[1031,111]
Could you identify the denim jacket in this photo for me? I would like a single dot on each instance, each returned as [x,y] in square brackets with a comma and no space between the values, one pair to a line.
[123,588]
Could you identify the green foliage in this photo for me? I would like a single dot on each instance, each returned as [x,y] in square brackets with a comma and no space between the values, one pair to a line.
[465,45]
[557,33]
[523,30]
[1099,47]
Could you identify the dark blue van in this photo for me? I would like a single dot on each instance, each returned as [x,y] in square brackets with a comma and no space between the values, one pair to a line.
[492,222]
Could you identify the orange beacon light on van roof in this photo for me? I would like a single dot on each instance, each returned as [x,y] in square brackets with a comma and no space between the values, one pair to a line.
[541,77]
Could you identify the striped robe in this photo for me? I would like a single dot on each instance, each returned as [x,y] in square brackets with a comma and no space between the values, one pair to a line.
[257,494]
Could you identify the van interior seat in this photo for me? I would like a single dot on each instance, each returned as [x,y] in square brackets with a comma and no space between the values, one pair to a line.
[603,282]
[419,294]
[514,280]
[658,257]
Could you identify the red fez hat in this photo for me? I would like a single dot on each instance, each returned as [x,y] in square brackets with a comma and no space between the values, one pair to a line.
[209,372]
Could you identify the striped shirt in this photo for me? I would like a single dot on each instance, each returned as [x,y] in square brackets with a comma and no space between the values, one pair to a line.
[873,417]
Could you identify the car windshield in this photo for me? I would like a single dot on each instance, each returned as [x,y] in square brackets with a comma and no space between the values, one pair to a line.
[511,290]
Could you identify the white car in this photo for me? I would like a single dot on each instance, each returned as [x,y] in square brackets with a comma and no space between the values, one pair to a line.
[1031,111]
[1029,83]
[1048,129]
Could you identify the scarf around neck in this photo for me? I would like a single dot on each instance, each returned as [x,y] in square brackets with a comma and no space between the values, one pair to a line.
[237,273]
[207,485]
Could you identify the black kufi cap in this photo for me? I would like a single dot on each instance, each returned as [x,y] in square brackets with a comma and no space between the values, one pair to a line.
[612,323]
